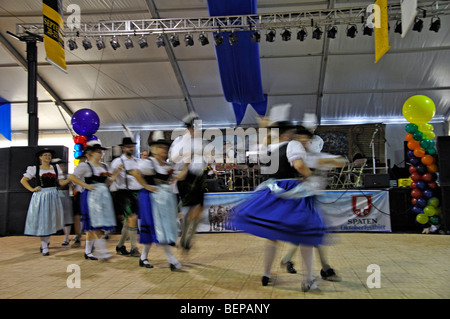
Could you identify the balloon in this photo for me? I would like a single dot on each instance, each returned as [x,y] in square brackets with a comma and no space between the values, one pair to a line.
[423,127]
[77,154]
[78,147]
[432,185]
[419,152]
[417,210]
[409,137]
[418,109]
[431,151]
[429,135]
[433,201]
[414,201]
[428,177]
[412,145]
[426,143]
[416,177]
[85,122]
[421,185]
[414,160]
[435,220]
[422,219]
[92,138]
[80,139]
[422,202]
[428,193]
[421,169]
[416,193]
[410,153]
[418,136]
[411,128]
[432,168]
[427,160]
[76,162]
[412,169]
[438,211]
[429,211]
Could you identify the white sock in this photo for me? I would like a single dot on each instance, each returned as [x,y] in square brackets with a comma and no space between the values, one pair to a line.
[269,255]
[145,251]
[88,248]
[307,257]
[170,257]
[101,248]
[67,232]
[44,243]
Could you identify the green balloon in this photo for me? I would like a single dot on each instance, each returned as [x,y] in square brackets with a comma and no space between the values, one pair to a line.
[417,136]
[431,151]
[435,220]
[429,210]
[422,218]
[411,128]
[433,201]
[425,143]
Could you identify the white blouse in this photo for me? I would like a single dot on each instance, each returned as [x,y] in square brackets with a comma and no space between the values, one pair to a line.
[31,172]
[83,170]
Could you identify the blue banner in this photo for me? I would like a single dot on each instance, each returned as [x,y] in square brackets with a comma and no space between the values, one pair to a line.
[5,118]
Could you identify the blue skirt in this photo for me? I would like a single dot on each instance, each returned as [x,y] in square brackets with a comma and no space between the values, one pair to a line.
[158,216]
[45,213]
[97,209]
[268,215]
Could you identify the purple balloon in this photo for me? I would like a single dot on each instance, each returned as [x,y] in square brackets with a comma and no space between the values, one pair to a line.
[428,193]
[421,169]
[422,202]
[92,138]
[417,210]
[421,185]
[410,153]
[415,161]
[85,122]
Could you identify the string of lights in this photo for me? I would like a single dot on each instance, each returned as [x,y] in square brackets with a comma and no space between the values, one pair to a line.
[321,22]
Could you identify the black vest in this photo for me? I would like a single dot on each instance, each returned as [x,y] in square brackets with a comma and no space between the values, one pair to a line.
[95,178]
[285,170]
[47,182]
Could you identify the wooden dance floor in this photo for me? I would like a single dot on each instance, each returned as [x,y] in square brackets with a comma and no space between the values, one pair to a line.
[229,266]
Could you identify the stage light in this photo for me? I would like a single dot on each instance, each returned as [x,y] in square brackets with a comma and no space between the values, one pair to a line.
[160,41]
[256,36]
[114,43]
[203,38]
[270,36]
[218,39]
[436,24]
[188,40]
[233,38]
[87,44]
[286,35]
[367,31]
[143,42]
[317,33]
[331,33]
[100,43]
[128,43]
[418,25]
[351,30]
[72,45]
[302,34]
[398,27]
[175,40]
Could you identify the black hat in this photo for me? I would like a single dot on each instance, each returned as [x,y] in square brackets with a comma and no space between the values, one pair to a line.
[94,147]
[45,150]
[127,141]
[301,130]
[158,138]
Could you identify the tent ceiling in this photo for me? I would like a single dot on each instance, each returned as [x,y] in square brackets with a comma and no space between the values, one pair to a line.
[141,87]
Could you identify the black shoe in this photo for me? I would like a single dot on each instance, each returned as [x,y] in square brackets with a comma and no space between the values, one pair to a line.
[122,250]
[134,253]
[329,275]
[265,280]
[290,267]
[146,265]
[91,257]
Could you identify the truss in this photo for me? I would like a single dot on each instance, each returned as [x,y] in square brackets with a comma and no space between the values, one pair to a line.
[266,21]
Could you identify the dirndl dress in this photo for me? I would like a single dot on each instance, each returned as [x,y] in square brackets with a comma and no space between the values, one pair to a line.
[97,209]
[279,211]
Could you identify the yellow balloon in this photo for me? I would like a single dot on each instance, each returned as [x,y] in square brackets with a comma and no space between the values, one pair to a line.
[429,135]
[422,218]
[419,109]
[425,127]
[76,162]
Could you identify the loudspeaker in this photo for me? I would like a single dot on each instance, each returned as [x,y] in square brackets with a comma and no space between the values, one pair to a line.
[445,207]
[376,180]
[402,217]
[443,159]
[216,185]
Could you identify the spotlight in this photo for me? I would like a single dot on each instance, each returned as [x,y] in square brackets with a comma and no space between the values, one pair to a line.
[143,42]
[418,25]
[367,31]
[317,33]
[302,34]
[100,43]
[188,40]
[331,33]
[175,40]
[87,44]
[435,25]
[256,36]
[398,27]
[160,41]
[286,35]
[233,38]
[114,43]
[72,44]
[203,38]
[218,39]
[270,36]
[351,31]
[128,43]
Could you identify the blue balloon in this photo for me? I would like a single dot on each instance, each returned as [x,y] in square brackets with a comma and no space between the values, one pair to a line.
[85,122]
[422,202]
[428,193]
[417,210]
[421,185]
[421,169]
[78,147]
[92,138]
[77,154]
[415,161]
[410,153]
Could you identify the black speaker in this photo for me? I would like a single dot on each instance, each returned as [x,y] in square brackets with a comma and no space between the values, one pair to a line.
[443,159]
[216,185]
[376,180]
[400,205]
[445,207]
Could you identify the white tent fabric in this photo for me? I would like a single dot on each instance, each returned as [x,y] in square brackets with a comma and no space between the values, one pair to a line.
[139,87]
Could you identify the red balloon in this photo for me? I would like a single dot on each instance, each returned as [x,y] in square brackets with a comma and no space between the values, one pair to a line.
[412,169]
[414,201]
[432,185]
[413,185]
[416,176]
[427,160]
[80,139]
[428,177]
[416,193]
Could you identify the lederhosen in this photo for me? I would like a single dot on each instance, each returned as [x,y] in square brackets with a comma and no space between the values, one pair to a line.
[192,189]
[127,199]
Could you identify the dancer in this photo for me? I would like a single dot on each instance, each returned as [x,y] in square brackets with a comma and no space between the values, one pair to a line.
[158,211]
[45,214]
[186,154]
[76,208]
[126,196]
[96,202]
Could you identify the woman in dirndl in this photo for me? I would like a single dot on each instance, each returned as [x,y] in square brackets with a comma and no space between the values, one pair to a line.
[45,213]
[158,212]
[97,210]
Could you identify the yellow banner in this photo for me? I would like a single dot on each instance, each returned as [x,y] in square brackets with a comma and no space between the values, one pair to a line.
[54,33]
[381,30]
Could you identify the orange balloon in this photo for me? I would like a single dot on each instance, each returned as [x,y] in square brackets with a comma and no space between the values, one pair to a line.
[432,168]
[412,145]
[427,160]
[409,137]
[419,152]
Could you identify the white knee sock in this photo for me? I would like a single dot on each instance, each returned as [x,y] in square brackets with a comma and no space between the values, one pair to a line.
[145,251]
[307,257]
[44,243]
[88,247]
[101,249]
[170,257]
[269,255]
[67,232]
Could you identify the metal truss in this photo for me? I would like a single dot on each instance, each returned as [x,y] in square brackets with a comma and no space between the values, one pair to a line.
[322,17]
